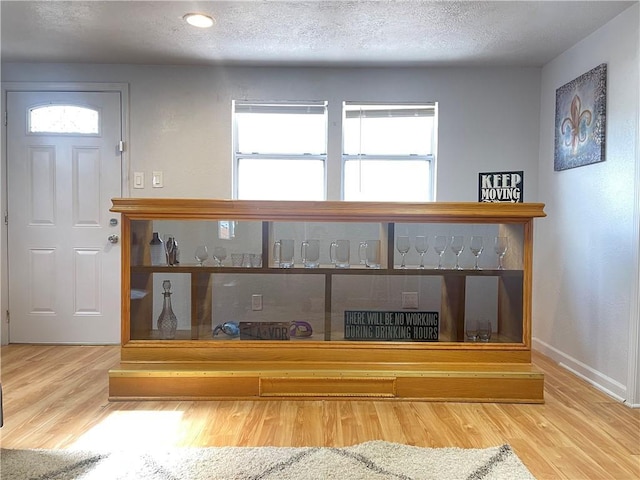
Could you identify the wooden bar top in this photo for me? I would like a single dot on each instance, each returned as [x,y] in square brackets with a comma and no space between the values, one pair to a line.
[336,211]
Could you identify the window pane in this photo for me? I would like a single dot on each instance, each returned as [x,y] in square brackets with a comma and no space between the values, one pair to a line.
[287,133]
[388,135]
[264,179]
[64,119]
[387,180]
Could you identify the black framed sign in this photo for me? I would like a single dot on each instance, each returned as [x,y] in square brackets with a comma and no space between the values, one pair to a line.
[394,326]
[501,187]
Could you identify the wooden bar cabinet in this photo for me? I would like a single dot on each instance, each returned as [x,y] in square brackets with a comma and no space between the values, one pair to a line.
[391,332]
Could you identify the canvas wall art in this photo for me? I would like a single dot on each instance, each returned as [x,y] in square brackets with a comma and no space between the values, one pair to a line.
[580,120]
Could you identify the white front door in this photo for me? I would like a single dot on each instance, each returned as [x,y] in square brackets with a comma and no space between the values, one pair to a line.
[63,168]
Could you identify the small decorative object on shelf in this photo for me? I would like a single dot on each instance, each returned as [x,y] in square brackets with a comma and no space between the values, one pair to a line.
[484,330]
[219,255]
[228,328]
[156,248]
[369,253]
[201,255]
[171,248]
[310,253]
[167,321]
[300,329]
[339,252]
[283,252]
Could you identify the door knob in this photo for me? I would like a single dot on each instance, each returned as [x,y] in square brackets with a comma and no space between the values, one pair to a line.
[113,238]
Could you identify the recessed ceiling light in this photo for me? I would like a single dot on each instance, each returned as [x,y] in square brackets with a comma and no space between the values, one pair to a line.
[199,20]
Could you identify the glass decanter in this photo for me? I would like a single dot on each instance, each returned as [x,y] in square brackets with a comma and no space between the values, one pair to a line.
[167,321]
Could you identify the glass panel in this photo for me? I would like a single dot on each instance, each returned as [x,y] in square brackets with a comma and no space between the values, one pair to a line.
[64,119]
[147,299]
[281,133]
[326,233]
[399,304]
[296,300]
[263,179]
[487,258]
[383,293]
[180,302]
[388,136]
[247,238]
[387,180]
[494,303]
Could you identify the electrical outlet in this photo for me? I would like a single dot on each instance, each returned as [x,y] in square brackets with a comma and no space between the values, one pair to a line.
[256,302]
[410,300]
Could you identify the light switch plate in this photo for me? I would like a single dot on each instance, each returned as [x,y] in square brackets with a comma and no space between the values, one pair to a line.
[138,179]
[156,180]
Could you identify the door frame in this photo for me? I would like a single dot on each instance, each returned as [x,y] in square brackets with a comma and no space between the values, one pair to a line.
[123,89]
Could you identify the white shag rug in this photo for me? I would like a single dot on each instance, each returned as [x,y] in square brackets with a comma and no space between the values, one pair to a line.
[367,461]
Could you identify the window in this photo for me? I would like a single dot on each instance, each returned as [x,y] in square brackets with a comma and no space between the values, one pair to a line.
[280,150]
[64,119]
[388,152]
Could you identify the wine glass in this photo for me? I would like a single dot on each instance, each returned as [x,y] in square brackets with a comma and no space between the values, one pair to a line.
[500,247]
[403,246]
[219,255]
[202,253]
[476,246]
[457,246]
[440,246]
[422,245]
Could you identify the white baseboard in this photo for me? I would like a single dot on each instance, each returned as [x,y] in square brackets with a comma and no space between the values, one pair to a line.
[602,382]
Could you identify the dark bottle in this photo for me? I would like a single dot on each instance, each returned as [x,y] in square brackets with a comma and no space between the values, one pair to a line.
[156,248]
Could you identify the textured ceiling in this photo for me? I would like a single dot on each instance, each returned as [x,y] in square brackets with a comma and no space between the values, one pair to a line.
[343,33]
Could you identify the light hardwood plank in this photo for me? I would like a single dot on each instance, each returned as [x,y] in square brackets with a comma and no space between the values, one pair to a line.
[56,397]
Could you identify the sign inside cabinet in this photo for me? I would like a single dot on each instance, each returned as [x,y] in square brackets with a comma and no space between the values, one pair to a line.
[390,325]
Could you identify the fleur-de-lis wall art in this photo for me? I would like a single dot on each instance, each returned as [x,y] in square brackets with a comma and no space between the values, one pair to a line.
[574,127]
[580,120]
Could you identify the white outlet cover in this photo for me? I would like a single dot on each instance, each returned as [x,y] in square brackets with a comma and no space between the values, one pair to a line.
[256,302]
[409,299]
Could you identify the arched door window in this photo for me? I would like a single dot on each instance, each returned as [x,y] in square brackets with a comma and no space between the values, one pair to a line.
[69,119]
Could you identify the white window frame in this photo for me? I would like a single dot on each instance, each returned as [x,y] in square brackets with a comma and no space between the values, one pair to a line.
[239,106]
[392,109]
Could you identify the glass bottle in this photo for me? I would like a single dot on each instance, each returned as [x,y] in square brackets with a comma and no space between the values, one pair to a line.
[167,321]
[156,248]
[171,249]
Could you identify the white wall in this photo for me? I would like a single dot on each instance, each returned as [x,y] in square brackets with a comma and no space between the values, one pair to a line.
[586,251]
[181,116]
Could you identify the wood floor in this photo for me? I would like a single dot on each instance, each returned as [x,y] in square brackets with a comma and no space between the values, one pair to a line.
[56,397]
